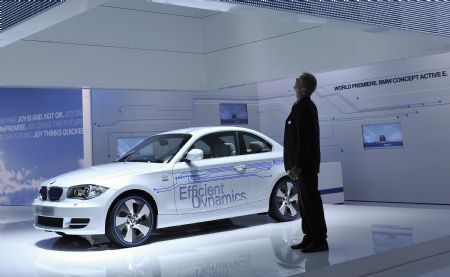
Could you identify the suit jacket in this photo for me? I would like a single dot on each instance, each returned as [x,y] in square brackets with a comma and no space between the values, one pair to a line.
[302,138]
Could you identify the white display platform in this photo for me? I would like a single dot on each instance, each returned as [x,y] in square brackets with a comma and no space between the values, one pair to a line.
[363,240]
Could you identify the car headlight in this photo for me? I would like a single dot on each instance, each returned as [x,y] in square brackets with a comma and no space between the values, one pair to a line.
[85,192]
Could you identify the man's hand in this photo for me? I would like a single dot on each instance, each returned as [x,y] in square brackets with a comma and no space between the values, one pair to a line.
[294,173]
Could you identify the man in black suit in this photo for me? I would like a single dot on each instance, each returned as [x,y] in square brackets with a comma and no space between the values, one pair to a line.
[302,162]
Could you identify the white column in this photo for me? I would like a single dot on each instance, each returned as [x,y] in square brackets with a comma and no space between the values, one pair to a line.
[87,127]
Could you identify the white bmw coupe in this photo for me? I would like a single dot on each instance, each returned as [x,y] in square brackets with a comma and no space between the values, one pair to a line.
[174,178]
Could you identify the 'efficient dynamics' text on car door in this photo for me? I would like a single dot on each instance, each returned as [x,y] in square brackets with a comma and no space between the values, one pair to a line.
[218,181]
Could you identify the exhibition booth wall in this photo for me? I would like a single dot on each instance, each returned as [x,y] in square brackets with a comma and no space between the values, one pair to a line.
[118,116]
[385,123]
[381,121]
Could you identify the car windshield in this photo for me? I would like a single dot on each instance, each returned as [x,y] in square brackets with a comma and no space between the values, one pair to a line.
[156,149]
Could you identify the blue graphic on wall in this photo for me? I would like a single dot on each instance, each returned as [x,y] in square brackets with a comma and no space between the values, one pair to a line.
[233,114]
[386,135]
[40,137]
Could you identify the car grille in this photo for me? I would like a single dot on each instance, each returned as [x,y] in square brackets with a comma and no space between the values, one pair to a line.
[43,193]
[52,193]
[50,221]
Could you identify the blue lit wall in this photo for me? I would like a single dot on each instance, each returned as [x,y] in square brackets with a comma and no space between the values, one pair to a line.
[40,137]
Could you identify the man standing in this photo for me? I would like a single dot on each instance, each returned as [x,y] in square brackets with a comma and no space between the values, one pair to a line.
[302,162]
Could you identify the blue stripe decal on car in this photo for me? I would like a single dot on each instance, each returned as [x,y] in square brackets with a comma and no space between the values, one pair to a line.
[332,190]
[199,176]
[259,170]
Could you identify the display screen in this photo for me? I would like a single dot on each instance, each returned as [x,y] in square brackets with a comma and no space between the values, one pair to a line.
[233,114]
[387,135]
[125,144]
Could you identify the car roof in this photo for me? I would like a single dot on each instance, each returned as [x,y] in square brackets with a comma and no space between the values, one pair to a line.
[207,129]
[200,131]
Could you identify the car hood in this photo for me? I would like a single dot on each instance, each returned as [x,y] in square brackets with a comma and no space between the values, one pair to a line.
[99,173]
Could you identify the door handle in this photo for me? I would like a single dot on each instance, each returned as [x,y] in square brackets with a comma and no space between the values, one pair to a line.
[240,168]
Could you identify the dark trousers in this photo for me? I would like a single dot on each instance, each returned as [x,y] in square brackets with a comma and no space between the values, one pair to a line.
[311,207]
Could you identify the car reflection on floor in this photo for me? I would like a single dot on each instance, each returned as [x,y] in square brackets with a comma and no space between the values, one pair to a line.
[200,250]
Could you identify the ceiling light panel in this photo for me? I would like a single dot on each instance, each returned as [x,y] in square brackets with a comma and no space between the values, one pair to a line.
[431,17]
[13,12]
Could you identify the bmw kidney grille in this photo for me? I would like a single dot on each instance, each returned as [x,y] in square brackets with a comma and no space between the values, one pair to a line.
[53,194]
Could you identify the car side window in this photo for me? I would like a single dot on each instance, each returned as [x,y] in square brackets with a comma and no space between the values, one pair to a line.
[217,145]
[253,144]
[200,144]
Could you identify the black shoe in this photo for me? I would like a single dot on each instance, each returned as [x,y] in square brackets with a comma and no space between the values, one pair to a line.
[302,245]
[316,246]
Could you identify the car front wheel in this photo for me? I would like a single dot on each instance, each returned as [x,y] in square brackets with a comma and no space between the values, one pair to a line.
[284,205]
[130,221]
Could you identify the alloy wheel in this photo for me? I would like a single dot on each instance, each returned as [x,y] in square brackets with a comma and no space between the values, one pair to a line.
[287,200]
[133,220]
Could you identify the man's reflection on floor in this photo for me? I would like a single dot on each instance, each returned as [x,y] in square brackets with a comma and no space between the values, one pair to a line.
[296,260]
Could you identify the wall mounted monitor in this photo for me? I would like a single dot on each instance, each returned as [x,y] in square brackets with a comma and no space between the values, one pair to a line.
[386,135]
[125,144]
[233,114]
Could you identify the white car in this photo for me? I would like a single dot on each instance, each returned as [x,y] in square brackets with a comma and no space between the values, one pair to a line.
[174,178]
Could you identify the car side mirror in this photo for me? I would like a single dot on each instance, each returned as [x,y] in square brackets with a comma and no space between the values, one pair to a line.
[194,155]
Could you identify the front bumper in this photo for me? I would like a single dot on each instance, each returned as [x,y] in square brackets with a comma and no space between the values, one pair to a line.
[73,216]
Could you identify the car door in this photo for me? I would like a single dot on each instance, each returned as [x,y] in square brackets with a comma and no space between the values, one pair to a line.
[218,181]
[260,161]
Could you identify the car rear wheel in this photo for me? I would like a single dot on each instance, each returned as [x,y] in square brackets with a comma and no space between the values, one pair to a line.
[284,205]
[130,222]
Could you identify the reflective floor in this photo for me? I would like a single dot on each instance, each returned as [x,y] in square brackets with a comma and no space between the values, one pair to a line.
[245,246]
[435,266]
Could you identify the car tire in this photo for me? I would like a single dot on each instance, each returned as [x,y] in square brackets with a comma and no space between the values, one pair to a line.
[284,205]
[130,221]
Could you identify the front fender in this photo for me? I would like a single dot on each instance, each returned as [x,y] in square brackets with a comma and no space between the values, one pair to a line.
[164,201]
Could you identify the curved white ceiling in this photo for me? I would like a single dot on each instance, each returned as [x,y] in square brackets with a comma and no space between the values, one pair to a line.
[21,18]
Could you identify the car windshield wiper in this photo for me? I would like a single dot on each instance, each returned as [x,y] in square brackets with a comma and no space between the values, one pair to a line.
[144,161]
[138,161]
